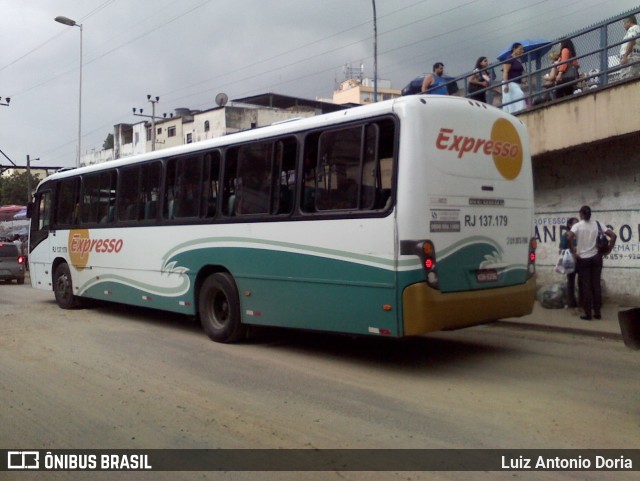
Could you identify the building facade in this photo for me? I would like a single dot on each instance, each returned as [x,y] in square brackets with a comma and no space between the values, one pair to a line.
[362,91]
[186,126]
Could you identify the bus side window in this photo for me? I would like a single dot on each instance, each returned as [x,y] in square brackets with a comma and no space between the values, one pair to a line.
[44,211]
[107,199]
[338,179]
[169,189]
[370,169]
[286,153]
[187,189]
[150,190]
[229,182]
[349,168]
[255,179]
[183,186]
[68,202]
[98,197]
[210,181]
[90,194]
[386,157]
[128,194]
[310,161]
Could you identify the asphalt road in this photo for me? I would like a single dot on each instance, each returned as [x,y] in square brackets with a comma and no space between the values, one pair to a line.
[119,377]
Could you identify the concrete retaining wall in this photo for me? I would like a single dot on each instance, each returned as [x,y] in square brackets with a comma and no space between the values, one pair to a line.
[606,176]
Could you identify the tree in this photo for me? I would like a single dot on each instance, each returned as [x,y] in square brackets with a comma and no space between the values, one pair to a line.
[108,142]
[13,188]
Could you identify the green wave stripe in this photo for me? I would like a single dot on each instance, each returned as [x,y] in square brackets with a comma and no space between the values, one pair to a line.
[154,289]
[311,250]
[466,242]
[390,264]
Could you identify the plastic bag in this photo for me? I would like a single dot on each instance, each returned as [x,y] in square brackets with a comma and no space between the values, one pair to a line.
[566,264]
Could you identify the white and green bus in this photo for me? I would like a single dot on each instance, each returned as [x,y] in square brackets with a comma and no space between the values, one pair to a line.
[393,219]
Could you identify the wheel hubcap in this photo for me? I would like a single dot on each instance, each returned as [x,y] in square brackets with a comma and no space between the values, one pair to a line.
[220,309]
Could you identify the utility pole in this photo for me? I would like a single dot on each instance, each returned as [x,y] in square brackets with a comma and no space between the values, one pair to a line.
[375,53]
[153,117]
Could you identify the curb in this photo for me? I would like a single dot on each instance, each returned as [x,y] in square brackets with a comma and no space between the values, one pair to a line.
[567,330]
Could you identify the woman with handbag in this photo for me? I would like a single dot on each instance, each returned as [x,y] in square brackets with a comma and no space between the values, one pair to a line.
[566,79]
[571,277]
[589,260]
[480,80]
[512,76]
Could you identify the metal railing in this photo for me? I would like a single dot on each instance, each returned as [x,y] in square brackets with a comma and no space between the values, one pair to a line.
[597,49]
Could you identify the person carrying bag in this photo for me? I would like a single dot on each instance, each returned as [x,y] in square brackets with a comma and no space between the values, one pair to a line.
[589,261]
[568,266]
[567,70]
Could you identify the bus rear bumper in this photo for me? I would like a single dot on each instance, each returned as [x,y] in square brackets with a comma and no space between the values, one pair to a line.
[427,310]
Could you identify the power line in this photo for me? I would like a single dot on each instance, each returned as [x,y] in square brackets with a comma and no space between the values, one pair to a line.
[289,62]
[343,47]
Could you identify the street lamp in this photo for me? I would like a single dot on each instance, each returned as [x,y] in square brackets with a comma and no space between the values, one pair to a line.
[6,103]
[29,159]
[73,23]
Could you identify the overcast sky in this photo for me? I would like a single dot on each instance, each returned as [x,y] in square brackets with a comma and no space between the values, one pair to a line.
[188,51]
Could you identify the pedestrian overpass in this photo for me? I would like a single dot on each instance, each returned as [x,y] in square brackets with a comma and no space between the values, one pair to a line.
[586,151]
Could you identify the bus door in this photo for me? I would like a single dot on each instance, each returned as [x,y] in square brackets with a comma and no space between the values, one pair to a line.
[39,240]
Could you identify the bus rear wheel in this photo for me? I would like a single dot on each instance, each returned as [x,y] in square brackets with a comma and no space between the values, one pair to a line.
[219,308]
[63,287]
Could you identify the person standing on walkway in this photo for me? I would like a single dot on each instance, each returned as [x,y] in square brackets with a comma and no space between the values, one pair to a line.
[479,80]
[567,69]
[571,278]
[630,50]
[589,261]
[512,71]
[433,83]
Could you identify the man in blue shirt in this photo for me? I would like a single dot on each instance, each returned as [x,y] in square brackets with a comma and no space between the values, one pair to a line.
[433,83]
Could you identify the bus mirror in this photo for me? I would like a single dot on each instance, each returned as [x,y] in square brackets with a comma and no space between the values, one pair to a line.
[30,207]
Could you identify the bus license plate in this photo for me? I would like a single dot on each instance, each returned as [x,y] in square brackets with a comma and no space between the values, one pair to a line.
[487,275]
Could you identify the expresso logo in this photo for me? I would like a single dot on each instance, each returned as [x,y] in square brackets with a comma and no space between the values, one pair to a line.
[504,146]
[81,246]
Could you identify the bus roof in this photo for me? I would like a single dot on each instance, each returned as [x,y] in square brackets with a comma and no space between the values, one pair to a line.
[280,128]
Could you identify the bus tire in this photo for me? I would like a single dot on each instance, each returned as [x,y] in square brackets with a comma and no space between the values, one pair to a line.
[219,308]
[63,287]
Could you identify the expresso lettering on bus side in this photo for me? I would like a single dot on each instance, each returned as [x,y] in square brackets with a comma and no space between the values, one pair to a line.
[463,144]
[82,246]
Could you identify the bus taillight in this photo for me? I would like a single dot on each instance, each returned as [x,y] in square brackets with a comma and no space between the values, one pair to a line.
[533,244]
[429,263]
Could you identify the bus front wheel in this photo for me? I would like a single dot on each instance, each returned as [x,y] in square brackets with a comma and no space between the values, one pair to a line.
[63,287]
[219,308]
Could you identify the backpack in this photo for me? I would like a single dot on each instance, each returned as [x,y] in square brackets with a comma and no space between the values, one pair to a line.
[415,86]
[602,241]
